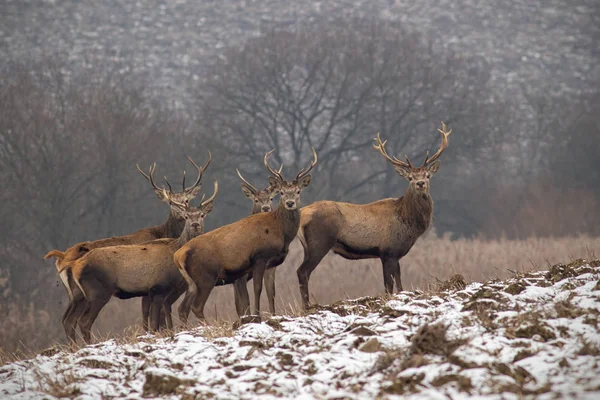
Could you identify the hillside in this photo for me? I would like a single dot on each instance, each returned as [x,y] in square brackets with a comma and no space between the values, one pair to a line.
[170,44]
[532,336]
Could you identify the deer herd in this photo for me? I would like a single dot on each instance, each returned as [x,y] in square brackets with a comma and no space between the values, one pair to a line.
[163,262]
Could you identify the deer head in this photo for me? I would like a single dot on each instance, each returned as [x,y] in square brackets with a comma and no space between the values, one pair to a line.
[418,177]
[290,191]
[193,216]
[186,194]
[263,199]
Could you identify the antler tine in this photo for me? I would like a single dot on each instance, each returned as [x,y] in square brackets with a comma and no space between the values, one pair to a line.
[380,146]
[211,198]
[302,172]
[250,186]
[150,176]
[168,184]
[271,170]
[445,133]
[200,171]
[183,184]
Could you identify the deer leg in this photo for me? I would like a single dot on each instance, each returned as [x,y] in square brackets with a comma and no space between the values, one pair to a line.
[186,305]
[390,266]
[166,310]
[313,254]
[398,278]
[74,311]
[146,302]
[258,273]
[241,297]
[170,299]
[97,300]
[270,287]
[204,290]
[155,314]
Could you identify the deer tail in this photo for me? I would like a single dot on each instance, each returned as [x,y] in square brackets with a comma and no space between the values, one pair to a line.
[192,288]
[55,253]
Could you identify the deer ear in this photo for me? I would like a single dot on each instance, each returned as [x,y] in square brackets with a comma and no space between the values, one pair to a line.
[274,183]
[160,195]
[208,207]
[433,168]
[402,172]
[247,191]
[195,191]
[305,181]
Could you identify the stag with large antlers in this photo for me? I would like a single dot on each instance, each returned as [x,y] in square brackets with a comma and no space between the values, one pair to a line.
[251,244]
[385,229]
[262,202]
[171,228]
[125,272]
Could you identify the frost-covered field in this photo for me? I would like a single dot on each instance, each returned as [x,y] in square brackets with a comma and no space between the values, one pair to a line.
[535,336]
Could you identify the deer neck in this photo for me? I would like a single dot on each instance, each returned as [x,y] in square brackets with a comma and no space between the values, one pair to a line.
[255,209]
[173,227]
[416,208]
[186,236]
[289,221]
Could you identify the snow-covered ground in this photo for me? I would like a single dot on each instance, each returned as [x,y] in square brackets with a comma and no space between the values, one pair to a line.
[534,336]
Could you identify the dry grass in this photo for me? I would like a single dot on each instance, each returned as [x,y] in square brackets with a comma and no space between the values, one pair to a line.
[430,261]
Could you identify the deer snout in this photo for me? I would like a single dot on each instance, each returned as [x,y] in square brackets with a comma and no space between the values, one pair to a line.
[265,208]
[421,184]
[290,204]
[195,225]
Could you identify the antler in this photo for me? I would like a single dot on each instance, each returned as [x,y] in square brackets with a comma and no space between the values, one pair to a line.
[173,202]
[248,184]
[443,146]
[302,172]
[380,146]
[200,173]
[211,198]
[150,176]
[277,174]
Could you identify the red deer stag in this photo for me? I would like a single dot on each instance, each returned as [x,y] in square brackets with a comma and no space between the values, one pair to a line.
[262,202]
[129,271]
[171,228]
[385,229]
[248,245]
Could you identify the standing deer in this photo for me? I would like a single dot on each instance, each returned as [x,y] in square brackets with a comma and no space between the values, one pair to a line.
[248,245]
[171,228]
[385,229]
[262,202]
[129,271]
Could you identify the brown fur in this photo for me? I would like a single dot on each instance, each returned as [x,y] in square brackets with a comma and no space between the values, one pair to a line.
[248,245]
[262,201]
[172,228]
[144,269]
[386,229]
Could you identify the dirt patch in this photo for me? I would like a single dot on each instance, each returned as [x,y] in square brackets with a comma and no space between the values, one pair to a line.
[527,326]
[157,385]
[558,272]
[454,283]
[431,339]
[463,382]
[95,364]
[566,309]
[515,288]
[487,298]
[403,384]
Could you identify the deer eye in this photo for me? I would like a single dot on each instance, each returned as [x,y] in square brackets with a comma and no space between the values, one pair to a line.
[428,175]
[410,178]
